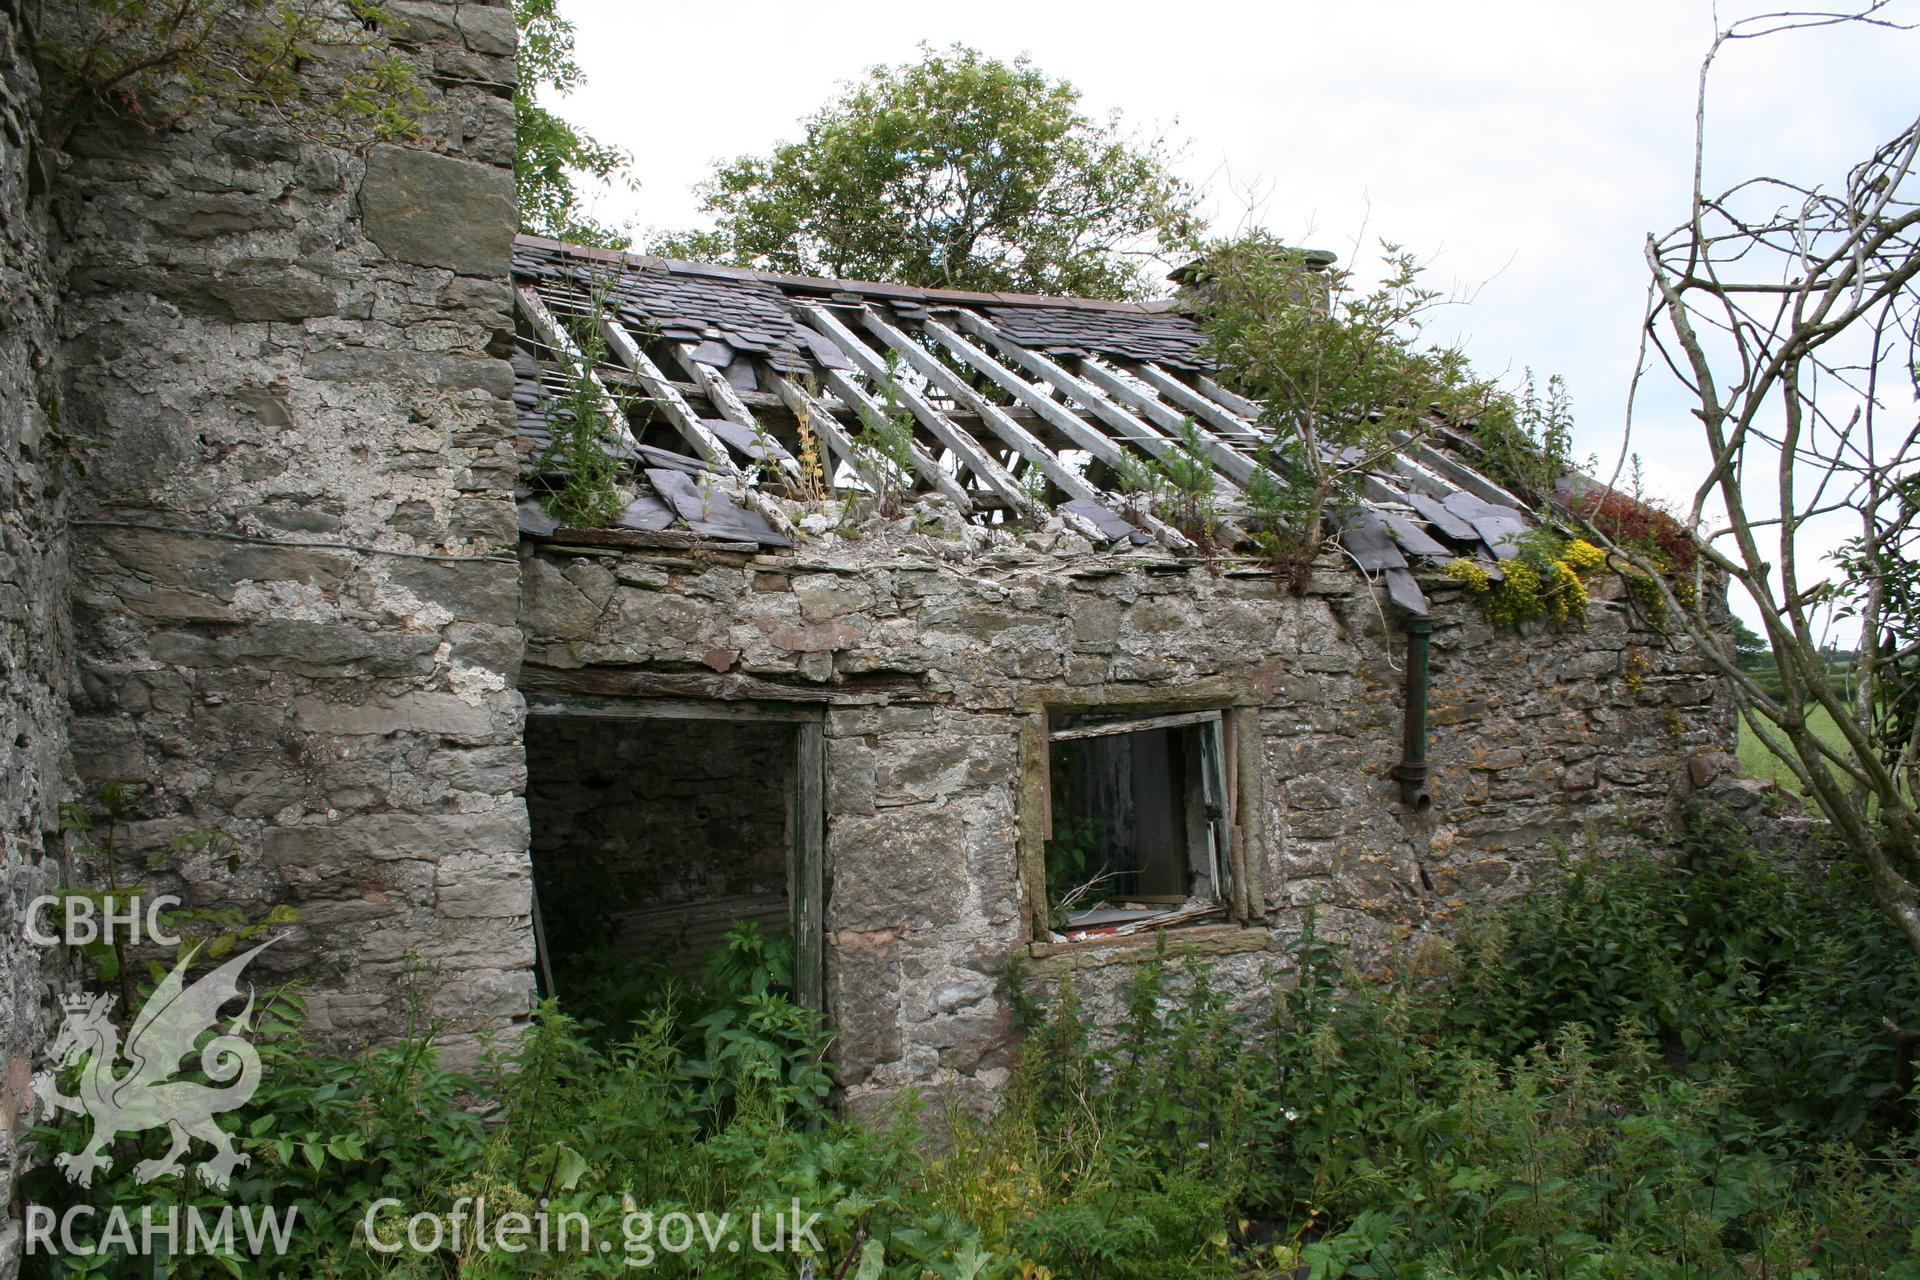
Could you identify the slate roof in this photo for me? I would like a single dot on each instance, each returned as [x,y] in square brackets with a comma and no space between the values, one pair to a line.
[1069,369]
[1167,338]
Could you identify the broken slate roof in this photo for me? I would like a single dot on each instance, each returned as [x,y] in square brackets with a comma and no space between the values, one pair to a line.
[723,387]
[1169,338]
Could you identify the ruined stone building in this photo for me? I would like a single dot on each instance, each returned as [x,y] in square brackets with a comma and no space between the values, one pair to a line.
[304,590]
[917,731]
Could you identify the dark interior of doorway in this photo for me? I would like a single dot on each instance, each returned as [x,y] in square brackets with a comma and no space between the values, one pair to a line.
[653,838]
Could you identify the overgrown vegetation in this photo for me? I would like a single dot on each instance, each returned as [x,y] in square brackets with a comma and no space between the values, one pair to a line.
[1344,374]
[1526,440]
[954,171]
[1179,488]
[1672,1065]
[1545,579]
[884,446]
[160,63]
[582,463]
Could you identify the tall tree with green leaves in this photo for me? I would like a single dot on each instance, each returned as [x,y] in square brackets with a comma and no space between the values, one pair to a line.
[551,156]
[957,171]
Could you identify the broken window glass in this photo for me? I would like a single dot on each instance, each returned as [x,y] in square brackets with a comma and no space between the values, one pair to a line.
[1139,821]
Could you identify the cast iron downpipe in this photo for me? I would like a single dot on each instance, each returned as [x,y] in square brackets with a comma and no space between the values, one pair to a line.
[1412,769]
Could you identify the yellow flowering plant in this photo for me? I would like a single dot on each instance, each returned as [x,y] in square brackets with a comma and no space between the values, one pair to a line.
[1545,580]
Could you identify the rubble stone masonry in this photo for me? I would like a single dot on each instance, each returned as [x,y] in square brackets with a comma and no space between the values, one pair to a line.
[294,586]
[930,657]
[35,638]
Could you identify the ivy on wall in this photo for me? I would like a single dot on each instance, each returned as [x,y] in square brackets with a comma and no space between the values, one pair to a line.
[323,69]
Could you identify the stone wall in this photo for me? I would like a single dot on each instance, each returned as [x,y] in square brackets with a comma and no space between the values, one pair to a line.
[930,661]
[35,637]
[293,586]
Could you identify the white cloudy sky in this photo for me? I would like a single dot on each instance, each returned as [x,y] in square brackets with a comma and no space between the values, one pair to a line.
[1525,149]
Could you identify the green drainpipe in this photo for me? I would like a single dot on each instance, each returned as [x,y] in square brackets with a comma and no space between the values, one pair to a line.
[1412,769]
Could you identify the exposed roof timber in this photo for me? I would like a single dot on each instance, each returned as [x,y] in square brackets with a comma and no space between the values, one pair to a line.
[1222,412]
[1418,478]
[976,459]
[820,416]
[1001,421]
[555,335]
[1073,379]
[1232,399]
[688,423]
[1145,437]
[724,399]
[674,405]
[1209,411]
[822,287]
[1065,478]
[1034,399]
[1462,476]
[1050,464]
[1234,464]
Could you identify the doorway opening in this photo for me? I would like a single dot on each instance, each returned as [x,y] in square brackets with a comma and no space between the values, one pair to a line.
[665,832]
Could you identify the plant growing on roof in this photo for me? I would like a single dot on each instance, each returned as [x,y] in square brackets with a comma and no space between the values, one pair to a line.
[1343,373]
[1546,580]
[580,461]
[812,484]
[1179,488]
[1526,440]
[885,443]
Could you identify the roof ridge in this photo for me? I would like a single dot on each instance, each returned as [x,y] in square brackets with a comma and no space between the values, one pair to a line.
[829,284]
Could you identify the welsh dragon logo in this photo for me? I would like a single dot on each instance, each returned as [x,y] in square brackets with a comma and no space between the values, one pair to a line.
[146,1095]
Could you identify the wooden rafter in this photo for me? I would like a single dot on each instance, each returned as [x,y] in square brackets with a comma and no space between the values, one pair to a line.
[1463,476]
[1230,461]
[657,385]
[1214,403]
[1246,408]
[1147,438]
[1017,437]
[721,393]
[975,458]
[555,335]
[1209,411]
[1051,411]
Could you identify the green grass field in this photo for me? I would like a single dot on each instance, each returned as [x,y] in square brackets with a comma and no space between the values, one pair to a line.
[1757,762]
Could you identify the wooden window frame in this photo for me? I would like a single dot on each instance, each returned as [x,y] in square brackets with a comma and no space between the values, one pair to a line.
[1242,783]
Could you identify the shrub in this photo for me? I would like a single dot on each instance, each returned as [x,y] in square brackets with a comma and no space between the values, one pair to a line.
[1661,1066]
